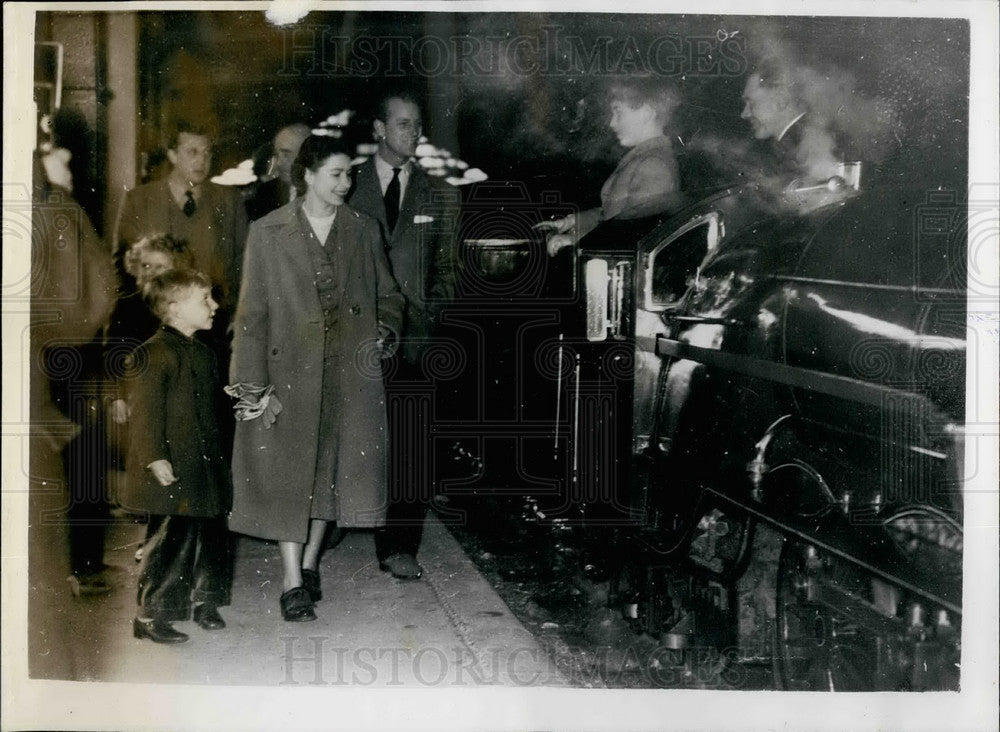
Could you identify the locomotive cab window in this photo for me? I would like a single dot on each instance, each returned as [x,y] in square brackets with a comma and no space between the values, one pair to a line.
[674,263]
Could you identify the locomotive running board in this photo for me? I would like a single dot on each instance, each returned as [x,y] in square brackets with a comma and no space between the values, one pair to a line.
[842,387]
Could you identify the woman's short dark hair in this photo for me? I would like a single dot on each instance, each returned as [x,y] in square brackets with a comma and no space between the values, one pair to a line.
[315,151]
[658,92]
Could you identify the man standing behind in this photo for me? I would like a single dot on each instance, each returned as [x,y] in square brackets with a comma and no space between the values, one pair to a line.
[279,190]
[419,218]
[210,218]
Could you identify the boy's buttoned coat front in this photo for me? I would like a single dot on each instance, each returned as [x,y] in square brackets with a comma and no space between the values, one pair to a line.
[279,340]
[174,395]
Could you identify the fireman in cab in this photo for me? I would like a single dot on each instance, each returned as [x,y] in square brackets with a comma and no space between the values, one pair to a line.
[646,181]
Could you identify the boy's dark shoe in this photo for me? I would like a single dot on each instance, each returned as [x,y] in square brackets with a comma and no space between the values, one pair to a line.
[158,631]
[208,618]
[402,566]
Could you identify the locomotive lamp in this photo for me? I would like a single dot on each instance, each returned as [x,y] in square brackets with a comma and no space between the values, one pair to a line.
[605,287]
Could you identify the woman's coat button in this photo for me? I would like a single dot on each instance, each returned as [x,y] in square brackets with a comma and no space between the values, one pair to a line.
[355,310]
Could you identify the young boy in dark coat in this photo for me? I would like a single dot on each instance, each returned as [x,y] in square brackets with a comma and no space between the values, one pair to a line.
[177,469]
[133,323]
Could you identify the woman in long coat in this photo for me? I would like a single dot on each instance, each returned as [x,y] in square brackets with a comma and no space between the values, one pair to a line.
[317,304]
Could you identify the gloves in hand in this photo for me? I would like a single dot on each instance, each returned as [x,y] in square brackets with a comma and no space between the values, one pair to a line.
[272,408]
[387,341]
[255,401]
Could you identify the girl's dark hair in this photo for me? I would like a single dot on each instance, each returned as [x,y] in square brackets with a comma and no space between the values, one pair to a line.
[315,151]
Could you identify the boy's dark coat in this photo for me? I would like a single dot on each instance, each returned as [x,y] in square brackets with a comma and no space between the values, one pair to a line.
[174,394]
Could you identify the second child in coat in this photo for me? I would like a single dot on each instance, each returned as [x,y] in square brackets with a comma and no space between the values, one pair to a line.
[177,469]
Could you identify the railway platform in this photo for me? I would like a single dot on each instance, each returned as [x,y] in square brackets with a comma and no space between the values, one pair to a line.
[448,629]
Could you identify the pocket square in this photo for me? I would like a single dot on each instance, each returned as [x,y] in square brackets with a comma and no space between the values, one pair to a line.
[421,219]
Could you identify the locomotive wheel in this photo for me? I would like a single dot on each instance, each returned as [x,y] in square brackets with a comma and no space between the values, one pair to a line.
[817,648]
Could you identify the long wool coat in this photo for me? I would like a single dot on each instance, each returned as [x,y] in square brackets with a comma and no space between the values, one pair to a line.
[278,340]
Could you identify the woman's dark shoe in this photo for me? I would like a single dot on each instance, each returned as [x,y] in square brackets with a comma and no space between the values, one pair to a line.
[296,605]
[310,580]
[208,618]
[158,631]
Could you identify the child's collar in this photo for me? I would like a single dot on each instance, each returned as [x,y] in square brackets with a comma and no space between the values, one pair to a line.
[172,330]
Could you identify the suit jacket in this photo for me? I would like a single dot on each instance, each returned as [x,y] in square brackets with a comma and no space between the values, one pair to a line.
[216,233]
[278,339]
[422,249]
[267,197]
[175,397]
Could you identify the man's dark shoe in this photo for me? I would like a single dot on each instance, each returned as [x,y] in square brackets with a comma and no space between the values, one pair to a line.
[310,580]
[296,605]
[158,631]
[208,618]
[402,566]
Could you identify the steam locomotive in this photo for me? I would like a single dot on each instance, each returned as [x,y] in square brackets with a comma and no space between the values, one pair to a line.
[776,387]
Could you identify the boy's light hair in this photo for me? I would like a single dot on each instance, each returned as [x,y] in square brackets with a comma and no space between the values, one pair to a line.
[166,286]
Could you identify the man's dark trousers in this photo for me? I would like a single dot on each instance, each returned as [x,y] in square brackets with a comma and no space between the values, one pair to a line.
[409,403]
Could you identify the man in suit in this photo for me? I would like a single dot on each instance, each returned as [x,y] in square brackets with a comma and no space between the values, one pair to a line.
[419,218]
[794,140]
[279,190]
[210,218]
